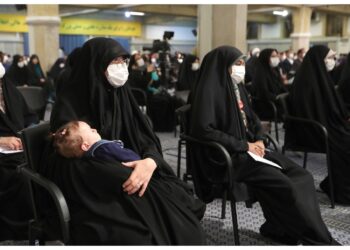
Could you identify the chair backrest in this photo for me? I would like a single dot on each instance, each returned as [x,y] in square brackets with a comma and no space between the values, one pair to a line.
[140,96]
[34,141]
[266,110]
[35,98]
[181,114]
[283,99]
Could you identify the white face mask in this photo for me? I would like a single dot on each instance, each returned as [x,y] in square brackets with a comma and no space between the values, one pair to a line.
[2,70]
[284,57]
[20,64]
[238,73]
[195,66]
[330,63]
[117,74]
[140,62]
[153,60]
[291,55]
[6,58]
[274,61]
[180,60]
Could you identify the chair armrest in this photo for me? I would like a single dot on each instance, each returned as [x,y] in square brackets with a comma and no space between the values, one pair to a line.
[270,139]
[55,193]
[309,122]
[219,148]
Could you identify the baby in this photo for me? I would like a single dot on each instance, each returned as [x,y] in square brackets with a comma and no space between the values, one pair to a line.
[77,139]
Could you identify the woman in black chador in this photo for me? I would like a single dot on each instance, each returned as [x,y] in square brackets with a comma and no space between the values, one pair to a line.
[267,81]
[344,82]
[314,97]
[18,73]
[110,202]
[188,72]
[221,112]
[15,208]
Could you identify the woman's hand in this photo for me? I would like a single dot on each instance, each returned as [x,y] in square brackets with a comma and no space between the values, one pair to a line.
[140,176]
[11,142]
[257,148]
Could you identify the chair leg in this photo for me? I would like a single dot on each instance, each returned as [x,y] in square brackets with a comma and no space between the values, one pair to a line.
[179,157]
[234,222]
[223,205]
[305,160]
[276,131]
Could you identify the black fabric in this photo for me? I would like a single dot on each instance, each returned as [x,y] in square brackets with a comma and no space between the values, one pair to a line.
[267,83]
[287,197]
[250,69]
[344,82]
[15,208]
[187,76]
[101,212]
[34,75]
[314,97]
[18,76]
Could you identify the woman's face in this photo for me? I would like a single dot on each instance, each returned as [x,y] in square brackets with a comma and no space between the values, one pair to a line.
[35,60]
[239,62]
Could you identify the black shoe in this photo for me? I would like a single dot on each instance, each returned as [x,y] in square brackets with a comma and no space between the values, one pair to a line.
[269,231]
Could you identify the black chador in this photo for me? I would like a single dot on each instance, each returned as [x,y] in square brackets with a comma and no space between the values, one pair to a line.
[101,212]
[314,97]
[15,208]
[287,196]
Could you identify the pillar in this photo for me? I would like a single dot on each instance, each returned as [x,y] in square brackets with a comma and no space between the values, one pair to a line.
[43,28]
[222,25]
[301,28]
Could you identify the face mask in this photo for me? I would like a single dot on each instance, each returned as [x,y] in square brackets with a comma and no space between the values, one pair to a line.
[117,74]
[6,58]
[291,56]
[155,76]
[195,66]
[238,73]
[20,64]
[180,60]
[274,61]
[62,65]
[140,62]
[2,70]
[284,57]
[330,63]
[153,60]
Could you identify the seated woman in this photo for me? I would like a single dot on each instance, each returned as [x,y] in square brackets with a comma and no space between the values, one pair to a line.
[221,112]
[15,209]
[314,97]
[37,77]
[18,73]
[188,72]
[139,202]
[344,82]
[267,83]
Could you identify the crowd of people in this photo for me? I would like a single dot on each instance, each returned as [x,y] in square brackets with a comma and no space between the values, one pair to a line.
[106,158]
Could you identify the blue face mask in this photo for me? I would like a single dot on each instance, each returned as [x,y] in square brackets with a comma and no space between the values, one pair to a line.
[155,76]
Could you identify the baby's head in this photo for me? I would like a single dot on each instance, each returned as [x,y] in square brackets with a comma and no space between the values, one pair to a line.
[74,138]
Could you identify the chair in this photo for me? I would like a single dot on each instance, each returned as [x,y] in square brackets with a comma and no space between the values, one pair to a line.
[299,144]
[35,99]
[229,186]
[140,97]
[34,142]
[266,111]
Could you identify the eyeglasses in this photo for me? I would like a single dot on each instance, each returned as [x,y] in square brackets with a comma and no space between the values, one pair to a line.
[121,60]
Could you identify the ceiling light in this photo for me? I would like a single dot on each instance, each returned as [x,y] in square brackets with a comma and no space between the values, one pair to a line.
[283,13]
[133,13]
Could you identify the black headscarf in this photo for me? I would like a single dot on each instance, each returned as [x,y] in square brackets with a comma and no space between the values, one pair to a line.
[267,83]
[313,94]
[18,115]
[32,66]
[187,76]
[344,82]
[18,76]
[112,111]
